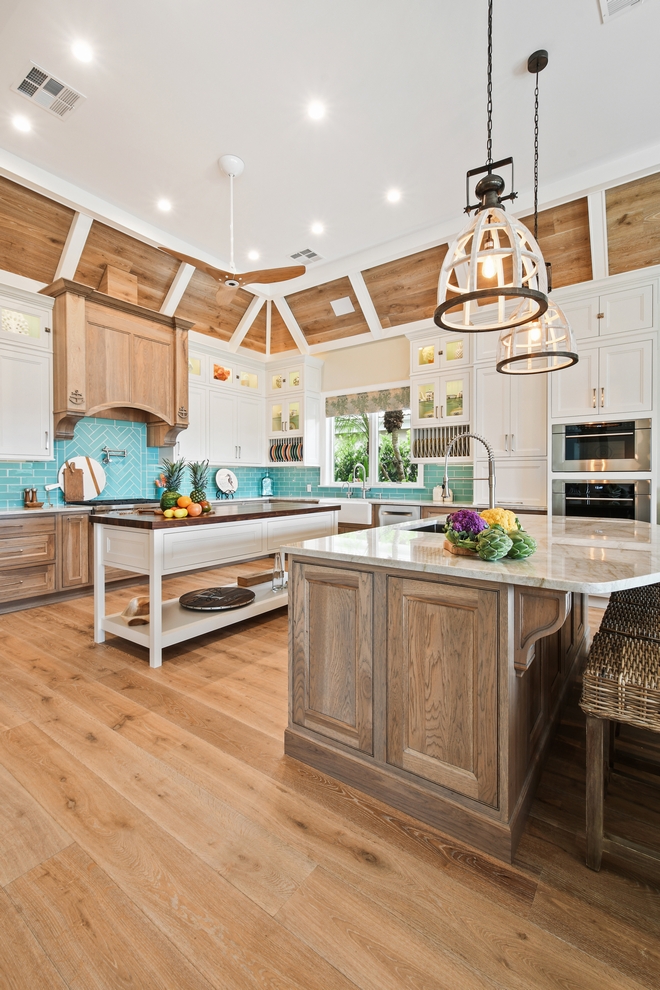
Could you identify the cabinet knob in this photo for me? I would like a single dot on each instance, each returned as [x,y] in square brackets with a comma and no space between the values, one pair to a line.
[600,316]
[77,398]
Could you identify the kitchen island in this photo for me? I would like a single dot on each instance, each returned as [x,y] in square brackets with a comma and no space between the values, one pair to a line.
[145,542]
[433,681]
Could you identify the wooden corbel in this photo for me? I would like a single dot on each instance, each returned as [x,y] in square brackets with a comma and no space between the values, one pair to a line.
[537,612]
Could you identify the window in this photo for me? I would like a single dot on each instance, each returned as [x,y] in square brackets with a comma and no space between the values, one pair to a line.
[379,441]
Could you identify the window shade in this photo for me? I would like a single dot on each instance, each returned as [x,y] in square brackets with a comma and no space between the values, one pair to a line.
[368,402]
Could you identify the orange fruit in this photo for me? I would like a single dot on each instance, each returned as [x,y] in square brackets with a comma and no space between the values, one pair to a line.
[194,509]
[184,501]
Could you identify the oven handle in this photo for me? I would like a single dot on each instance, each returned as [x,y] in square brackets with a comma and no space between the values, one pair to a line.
[606,436]
[595,498]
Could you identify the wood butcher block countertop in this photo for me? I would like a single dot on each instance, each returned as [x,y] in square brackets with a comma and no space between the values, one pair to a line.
[224,513]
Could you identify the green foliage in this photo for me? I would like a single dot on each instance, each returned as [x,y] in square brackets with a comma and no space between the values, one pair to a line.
[388,465]
[351,445]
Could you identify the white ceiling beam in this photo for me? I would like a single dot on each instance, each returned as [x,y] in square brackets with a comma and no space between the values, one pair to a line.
[248,318]
[74,246]
[341,342]
[366,303]
[598,234]
[269,318]
[180,283]
[292,326]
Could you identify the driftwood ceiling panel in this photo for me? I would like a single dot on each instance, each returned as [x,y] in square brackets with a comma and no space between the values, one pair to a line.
[255,338]
[107,246]
[280,338]
[633,224]
[33,230]
[565,242]
[315,315]
[407,289]
[199,305]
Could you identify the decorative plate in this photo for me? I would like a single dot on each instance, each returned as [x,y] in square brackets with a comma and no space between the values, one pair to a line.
[226,481]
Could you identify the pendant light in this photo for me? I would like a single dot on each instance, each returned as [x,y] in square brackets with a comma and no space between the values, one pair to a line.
[495,261]
[547,343]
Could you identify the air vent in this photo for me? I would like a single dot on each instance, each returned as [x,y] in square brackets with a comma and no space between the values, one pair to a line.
[306,257]
[343,306]
[610,8]
[48,92]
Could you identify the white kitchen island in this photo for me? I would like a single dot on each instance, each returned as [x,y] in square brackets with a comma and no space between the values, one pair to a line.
[147,543]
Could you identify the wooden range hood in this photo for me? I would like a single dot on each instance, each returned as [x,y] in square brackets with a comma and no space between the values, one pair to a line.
[117,360]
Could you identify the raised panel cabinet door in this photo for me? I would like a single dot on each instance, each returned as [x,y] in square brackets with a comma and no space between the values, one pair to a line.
[249,437]
[25,404]
[108,360]
[152,378]
[193,442]
[583,317]
[74,550]
[485,345]
[332,653]
[575,390]
[529,413]
[627,310]
[222,445]
[492,409]
[517,482]
[442,655]
[626,378]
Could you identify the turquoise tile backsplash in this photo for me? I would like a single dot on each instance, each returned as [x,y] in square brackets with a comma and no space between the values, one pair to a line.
[134,475]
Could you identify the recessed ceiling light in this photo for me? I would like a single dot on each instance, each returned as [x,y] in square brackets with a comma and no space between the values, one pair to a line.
[82,51]
[21,123]
[316,110]
[253,255]
[317,228]
[164,205]
[393,196]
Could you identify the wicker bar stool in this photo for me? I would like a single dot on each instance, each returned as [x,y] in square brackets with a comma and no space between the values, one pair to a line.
[621,683]
[648,596]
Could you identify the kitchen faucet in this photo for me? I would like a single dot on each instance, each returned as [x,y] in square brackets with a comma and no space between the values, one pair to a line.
[491,466]
[364,478]
[348,488]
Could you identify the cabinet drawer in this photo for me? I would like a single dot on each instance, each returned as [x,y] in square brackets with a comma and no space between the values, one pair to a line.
[27,525]
[21,550]
[26,582]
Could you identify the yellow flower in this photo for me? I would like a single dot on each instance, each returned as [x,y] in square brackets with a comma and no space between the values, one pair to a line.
[501,517]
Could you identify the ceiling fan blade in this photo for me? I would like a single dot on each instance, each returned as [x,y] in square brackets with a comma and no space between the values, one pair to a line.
[225,293]
[271,275]
[216,273]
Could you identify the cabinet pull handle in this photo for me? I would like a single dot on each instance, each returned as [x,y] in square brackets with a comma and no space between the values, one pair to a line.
[436,412]
[602,397]
[10,553]
[239,453]
[506,442]
[600,316]
[593,399]
[47,443]
[442,412]
[13,584]
[513,443]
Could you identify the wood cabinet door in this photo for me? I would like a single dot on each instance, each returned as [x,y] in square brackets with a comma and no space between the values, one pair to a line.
[442,685]
[25,404]
[626,378]
[152,369]
[74,551]
[332,653]
[492,413]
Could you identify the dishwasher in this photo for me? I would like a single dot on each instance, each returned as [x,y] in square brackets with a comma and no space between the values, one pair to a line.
[388,514]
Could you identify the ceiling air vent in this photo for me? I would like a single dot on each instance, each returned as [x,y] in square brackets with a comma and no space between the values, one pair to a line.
[610,8]
[306,257]
[48,92]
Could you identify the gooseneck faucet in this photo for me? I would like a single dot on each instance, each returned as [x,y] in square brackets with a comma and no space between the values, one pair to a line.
[364,478]
[491,466]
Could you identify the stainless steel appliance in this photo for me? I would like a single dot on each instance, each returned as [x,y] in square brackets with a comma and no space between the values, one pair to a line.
[627,499]
[389,513]
[620,446]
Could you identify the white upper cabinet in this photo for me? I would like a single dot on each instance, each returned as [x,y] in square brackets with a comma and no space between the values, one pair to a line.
[249,431]
[222,440]
[25,322]
[511,412]
[440,399]
[285,380]
[193,442]
[623,311]
[614,380]
[440,352]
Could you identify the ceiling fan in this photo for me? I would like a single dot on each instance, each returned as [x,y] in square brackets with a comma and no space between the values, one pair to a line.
[230,282]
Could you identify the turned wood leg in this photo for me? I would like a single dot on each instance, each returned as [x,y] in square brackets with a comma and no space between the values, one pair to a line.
[595,790]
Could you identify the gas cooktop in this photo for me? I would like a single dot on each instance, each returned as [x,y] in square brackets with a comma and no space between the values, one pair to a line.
[105,504]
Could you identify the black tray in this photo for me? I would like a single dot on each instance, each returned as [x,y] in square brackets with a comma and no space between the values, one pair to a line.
[217,599]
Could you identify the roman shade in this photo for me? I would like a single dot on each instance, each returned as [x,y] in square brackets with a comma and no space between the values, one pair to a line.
[368,402]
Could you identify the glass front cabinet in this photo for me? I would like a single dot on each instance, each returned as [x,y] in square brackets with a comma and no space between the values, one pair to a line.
[440,399]
[285,380]
[440,352]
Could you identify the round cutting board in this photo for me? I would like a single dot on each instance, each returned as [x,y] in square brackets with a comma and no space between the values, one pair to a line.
[85,464]
[226,481]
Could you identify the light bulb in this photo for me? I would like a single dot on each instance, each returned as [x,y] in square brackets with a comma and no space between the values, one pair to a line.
[22,123]
[82,51]
[488,268]
[316,110]
[317,228]
[164,205]
[253,255]
[535,334]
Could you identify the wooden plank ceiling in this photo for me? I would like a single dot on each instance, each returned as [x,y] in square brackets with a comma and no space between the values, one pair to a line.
[255,338]
[564,241]
[406,290]
[106,246]
[280,338]
[633,224]
[215,319]
[315,316]
[33,231]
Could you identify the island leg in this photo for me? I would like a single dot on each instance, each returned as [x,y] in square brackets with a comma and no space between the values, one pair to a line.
[99,585]
[595,790]
[155,598]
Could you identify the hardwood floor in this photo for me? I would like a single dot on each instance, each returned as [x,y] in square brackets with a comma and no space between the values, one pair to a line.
[153,835]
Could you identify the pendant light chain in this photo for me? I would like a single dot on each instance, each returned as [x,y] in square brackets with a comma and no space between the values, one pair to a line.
[489,89]
[536,158]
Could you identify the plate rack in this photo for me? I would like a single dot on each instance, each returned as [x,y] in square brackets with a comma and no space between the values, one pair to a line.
[429,443]
[286,450]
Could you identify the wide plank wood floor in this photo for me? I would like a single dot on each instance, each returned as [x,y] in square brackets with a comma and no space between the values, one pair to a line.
[153,835]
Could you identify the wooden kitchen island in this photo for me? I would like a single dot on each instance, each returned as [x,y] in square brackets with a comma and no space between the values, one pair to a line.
[434,681]
[147,543]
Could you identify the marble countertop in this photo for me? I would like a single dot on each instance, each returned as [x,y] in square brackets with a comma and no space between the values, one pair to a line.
[449,506]
[47,509]
[594,556]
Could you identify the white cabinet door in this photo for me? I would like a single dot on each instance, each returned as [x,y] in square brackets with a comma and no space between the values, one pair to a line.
[529,403]
[248,431]
[517,482]
[627,310]
[194,442]
[492,416]
[574,390]
[454,397]
[626,378]
[222,445]
[25,404]
[485,346]
[583,317]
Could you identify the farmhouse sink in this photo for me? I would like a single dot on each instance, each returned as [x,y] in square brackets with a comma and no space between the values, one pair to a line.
[353,510]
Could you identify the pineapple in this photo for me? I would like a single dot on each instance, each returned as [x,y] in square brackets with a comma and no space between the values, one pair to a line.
[173,471]
[199,473]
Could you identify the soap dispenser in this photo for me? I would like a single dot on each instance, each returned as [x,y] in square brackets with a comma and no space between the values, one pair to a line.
[266,485]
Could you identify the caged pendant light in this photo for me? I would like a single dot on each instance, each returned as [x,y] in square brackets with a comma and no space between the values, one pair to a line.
[547,343]
[493,276]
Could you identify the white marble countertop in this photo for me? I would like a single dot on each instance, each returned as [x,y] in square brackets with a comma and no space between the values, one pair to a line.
[594,556]
[47,509]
